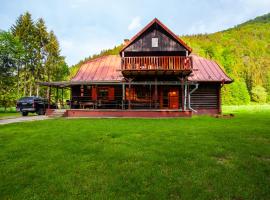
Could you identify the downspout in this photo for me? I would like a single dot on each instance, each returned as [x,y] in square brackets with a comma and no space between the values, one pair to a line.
[185,102]
[194,89]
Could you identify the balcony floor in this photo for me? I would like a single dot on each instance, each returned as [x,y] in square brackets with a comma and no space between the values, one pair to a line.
[149,72]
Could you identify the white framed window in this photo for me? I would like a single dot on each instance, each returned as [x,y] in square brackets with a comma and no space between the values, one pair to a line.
[154,42]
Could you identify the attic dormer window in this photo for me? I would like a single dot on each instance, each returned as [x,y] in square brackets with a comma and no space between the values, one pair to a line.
[154,42]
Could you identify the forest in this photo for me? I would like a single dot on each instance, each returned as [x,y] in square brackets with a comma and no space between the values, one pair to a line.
[29,53]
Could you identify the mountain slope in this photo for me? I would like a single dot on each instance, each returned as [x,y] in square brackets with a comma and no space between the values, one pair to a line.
[243,52]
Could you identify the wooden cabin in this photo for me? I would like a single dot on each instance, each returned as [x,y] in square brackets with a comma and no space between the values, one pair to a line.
[154,75]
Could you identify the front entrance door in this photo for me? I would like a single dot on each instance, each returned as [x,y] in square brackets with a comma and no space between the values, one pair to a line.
[173,97]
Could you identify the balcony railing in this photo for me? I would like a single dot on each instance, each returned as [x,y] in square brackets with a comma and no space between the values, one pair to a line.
[180,63]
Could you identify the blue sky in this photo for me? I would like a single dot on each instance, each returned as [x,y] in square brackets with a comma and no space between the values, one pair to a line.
[85,27]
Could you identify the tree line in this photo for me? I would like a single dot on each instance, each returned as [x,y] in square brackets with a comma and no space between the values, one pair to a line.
[29,53]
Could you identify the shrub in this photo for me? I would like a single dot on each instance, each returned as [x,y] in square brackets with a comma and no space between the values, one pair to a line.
[235,93]
[259,94]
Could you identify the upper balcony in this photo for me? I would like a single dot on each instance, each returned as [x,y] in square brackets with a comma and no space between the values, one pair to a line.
[156,65]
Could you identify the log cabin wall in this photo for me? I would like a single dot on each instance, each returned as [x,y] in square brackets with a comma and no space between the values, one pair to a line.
[109,95]
[154,35]
[206,99]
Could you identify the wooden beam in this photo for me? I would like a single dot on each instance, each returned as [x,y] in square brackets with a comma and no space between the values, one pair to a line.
[182,94]
[123,96]
[57,97]
[156,93]
[129,94]
[161,97]
[62,97]
[70,98]
[49,97]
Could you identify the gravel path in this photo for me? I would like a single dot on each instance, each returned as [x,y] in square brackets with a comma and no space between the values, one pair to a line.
[22,119]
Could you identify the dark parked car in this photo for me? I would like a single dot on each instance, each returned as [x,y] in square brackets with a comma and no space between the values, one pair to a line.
[32,104]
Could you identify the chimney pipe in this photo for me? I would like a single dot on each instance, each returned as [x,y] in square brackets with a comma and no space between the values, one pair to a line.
[125,41]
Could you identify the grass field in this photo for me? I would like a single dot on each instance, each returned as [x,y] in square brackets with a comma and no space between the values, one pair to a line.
[197,158]
[8,115]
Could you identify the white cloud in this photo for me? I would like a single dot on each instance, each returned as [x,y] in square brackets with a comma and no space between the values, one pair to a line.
[135,23]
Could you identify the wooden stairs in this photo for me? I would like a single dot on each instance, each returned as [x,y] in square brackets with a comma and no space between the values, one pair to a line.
[58,113]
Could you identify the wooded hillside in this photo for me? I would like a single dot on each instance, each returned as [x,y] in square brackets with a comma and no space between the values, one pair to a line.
[243,52]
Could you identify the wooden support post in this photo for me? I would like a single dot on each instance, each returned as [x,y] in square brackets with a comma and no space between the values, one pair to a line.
[156,93]
[129,92]
[182,94]
[57,97]
[70,98]
[123,96]
[62,98]
[161,97]
[49,97]
[150,87]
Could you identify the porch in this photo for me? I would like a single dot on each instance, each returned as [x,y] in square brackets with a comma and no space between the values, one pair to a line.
[111,113]
[127,99]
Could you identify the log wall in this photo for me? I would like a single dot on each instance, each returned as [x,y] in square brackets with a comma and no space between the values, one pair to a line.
[206,99]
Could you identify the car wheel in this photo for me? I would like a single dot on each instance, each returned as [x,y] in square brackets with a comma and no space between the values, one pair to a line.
[24,113]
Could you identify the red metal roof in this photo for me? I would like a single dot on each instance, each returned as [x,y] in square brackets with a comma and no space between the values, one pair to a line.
[205,70]
[164,27]
[107,69]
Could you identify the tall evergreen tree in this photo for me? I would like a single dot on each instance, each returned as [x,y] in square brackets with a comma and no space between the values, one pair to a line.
[42,60]
[42,39]
[25,30]
[11,52]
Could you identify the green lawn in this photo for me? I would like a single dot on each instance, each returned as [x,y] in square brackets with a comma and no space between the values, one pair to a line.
[8,113]
[197,158]
[4,115]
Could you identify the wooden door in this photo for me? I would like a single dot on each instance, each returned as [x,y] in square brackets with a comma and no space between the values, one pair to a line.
[173,97]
